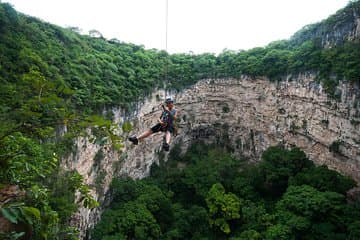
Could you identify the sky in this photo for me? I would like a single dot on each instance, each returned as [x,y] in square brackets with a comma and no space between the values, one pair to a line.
[196,26]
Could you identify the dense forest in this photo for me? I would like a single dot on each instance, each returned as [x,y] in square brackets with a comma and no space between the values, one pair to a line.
[207,194]
[53,77]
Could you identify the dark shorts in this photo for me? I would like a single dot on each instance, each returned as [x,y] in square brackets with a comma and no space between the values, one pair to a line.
[158,128]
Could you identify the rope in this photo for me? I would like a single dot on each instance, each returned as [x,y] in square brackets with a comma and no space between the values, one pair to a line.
[166,46]
[166,24]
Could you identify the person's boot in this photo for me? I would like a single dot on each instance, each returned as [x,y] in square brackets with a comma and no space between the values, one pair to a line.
[134,140]
[166,147]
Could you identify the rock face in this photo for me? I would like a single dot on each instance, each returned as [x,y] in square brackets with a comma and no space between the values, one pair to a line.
[252,114]
[341,27]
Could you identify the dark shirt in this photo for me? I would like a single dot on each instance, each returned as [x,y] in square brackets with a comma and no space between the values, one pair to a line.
[168,117]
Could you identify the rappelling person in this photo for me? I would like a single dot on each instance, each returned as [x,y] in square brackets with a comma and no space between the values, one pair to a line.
[166,124]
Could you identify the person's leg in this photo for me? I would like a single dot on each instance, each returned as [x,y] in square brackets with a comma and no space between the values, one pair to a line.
[167,137]
[135,140]
[145,134]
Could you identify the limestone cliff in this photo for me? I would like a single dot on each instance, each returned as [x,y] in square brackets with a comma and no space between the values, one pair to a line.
[252,114]
[340,27]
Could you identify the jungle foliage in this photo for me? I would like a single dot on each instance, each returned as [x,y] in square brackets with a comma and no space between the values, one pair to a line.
[207,194]
[54,78]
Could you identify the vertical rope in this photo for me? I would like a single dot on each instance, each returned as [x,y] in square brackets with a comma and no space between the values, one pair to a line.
[166,24]
[166,45]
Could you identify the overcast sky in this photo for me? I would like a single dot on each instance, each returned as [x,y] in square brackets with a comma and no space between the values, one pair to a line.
[194,25]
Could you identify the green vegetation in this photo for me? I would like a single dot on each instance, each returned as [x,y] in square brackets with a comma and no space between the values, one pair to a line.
[56,65]
[127,127]
[207,194]
[54,78]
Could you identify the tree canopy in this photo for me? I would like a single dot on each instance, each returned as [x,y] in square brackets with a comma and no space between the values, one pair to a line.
[233,200]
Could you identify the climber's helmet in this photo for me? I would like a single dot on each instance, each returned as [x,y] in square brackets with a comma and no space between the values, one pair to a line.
[169,101]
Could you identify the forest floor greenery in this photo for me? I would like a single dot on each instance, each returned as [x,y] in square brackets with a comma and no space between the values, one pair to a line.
[208,194]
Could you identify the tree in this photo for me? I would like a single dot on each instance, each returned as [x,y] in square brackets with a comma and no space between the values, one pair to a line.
[278,232]
[24,161]
[223,207]
[133,221]
[323,179]
[307,201]
[278,165]
[249,235]
[303,208]
[354,230]
[254,216]
[95,34]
